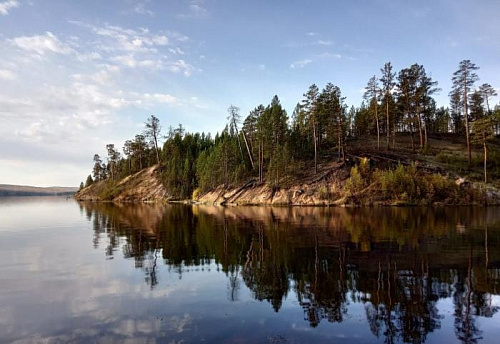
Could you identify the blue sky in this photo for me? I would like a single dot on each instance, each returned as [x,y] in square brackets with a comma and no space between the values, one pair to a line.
[76,75]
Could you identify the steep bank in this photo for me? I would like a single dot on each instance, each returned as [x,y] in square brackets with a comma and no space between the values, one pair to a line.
[337,186]
[323,188]
[143,186]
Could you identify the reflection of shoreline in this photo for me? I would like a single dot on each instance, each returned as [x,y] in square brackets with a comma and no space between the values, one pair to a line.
[398,262]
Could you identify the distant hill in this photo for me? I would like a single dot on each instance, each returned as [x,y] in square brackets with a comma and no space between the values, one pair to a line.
[22,190]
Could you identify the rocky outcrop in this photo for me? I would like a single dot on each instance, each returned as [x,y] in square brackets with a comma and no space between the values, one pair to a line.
[143,186]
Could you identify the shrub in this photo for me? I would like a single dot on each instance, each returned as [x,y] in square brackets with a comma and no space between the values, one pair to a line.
[355,182]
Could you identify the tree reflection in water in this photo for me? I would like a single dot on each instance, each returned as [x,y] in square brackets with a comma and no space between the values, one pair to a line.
[397,262]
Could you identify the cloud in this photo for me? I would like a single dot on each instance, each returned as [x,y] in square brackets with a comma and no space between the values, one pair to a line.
[81,105]
[140,8]
[322,42]
[42,44]
[196,9]
[329,56]
[7,74]
[305,62]
[300,63]
[131,62]
[6,6]
[131,40]
[180,66]
[176,51]
[160,98]
[104,76]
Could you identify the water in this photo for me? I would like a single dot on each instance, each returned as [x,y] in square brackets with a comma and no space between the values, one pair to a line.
[104,273]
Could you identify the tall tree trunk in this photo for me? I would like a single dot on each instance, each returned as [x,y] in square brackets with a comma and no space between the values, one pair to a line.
[339,136]
[394,135]
[469,156]
[485,157]
[225,164]
[239,141]
[261,160]
[387,119]
[412,139]
[315,147]
[156,149]
[378,125]
[248,148]
[426,142]
[420,131]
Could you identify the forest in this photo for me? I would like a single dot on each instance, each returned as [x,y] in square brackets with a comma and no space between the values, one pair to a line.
[271,146]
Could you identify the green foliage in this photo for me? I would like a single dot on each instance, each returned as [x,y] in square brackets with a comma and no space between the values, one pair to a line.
[179,170]
[405,184]
[355,182]
[89,181]
[401,181]
[110,191]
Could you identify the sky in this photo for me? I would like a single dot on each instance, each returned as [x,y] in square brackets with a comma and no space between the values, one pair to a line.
[77,75]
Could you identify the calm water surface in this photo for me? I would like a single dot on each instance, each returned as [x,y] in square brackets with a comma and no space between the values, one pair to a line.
[101,273]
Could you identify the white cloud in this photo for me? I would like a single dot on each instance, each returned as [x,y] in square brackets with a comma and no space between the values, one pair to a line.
[92,56]
[300,63]
[105,75]
[176,51]
[42,44]
[7,74]
[160,98]
[315,58]
[140,40]
[180,66]
[140,8]
[329,55]
[322,42]
[261,67]
[196,9]
[6,6]
[85,86]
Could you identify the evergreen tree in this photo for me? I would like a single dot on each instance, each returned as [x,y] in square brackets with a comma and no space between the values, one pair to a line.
[487,91]
[310,104]
[152,132]
[98,170]
[333,117]
[372,94]
[89,181]
[463,82]
[388,85]
[113,161]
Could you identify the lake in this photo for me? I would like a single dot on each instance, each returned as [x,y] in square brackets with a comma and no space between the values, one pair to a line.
[102,273]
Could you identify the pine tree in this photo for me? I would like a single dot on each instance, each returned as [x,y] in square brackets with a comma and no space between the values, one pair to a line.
[310,104]
[388,84]
[152,132]
[89,181]
[487,91]
[372,93]
[97,170]
[463,82]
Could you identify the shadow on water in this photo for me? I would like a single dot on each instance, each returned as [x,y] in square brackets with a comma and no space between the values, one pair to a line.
[397,262]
